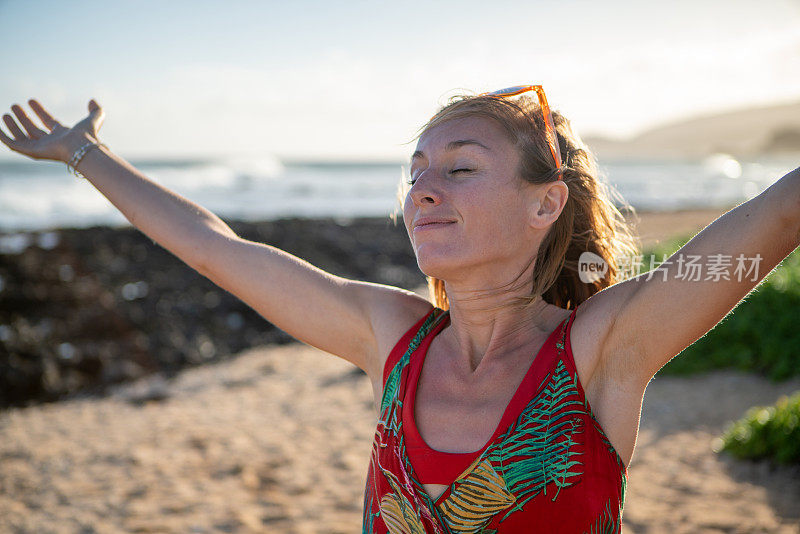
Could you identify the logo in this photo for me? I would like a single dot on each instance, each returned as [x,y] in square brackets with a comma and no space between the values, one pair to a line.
[591,267]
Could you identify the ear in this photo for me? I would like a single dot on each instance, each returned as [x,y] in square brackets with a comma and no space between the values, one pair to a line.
[547,202]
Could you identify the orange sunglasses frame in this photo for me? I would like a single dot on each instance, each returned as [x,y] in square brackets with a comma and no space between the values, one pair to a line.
[548,117]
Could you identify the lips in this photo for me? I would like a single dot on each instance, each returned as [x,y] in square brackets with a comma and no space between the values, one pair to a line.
[428,221]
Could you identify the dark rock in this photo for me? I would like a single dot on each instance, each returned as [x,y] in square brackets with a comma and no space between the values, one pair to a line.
[82,309]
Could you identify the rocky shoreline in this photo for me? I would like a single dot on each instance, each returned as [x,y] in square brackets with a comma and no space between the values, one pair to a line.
[82,309]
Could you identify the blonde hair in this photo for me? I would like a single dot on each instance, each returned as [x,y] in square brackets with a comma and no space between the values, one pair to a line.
[589,221]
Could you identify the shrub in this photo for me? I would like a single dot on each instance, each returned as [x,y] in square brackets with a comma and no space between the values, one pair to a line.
[771,432]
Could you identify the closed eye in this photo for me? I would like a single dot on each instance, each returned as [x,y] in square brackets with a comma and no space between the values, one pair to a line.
[454,171]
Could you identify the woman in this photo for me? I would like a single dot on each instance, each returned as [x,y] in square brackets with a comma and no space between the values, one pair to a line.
[512,403]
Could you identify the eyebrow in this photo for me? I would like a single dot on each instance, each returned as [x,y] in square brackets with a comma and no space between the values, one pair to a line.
[453,145]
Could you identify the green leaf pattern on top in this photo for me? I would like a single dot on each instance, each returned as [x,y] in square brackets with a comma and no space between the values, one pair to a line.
[538,448]
[393,380]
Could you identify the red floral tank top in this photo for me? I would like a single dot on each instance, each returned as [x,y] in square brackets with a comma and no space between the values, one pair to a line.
[549,467]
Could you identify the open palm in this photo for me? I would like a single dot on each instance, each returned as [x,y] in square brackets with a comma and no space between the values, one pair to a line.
[53,144]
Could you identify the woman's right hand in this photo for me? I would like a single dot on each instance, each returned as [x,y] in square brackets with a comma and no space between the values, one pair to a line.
[59,142]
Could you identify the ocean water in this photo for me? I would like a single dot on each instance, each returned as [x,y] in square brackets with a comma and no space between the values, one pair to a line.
[36,195]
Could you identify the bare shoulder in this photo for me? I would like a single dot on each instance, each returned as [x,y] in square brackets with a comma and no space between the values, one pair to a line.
[391,312]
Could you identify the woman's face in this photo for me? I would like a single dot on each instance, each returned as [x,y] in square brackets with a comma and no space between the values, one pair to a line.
[464,172]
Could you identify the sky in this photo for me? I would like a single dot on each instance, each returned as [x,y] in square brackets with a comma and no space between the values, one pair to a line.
[356,79]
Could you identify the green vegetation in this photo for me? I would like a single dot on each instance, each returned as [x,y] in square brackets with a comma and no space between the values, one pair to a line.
[766,432]
[761,335]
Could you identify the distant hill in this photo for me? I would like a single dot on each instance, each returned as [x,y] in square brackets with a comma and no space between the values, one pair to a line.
[743,133]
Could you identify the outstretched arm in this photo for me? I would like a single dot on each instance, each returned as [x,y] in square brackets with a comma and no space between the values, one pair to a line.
[658,314]
[334,314]
[172,221]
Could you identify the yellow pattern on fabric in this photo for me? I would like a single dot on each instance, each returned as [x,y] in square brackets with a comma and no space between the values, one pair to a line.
[394,514]
[398,514]
[476,498]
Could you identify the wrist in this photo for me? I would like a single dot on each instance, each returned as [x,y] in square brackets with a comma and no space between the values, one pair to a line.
[73,143]
[80,153]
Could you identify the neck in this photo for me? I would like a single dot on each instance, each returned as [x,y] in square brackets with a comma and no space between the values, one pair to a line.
[491,326]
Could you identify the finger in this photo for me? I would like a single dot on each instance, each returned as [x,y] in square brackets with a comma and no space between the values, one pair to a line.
[33,131]
[46,118]
[13,127]
[7,140]
[97,113]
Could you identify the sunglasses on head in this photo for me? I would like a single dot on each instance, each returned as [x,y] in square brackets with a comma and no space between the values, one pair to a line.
[548,117]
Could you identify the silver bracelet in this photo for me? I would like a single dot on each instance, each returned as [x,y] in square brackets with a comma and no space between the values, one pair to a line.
[72,166]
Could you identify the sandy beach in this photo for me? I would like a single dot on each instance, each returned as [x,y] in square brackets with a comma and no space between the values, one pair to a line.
[276,439]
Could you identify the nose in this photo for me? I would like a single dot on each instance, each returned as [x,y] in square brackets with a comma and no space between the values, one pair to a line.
[425,189]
